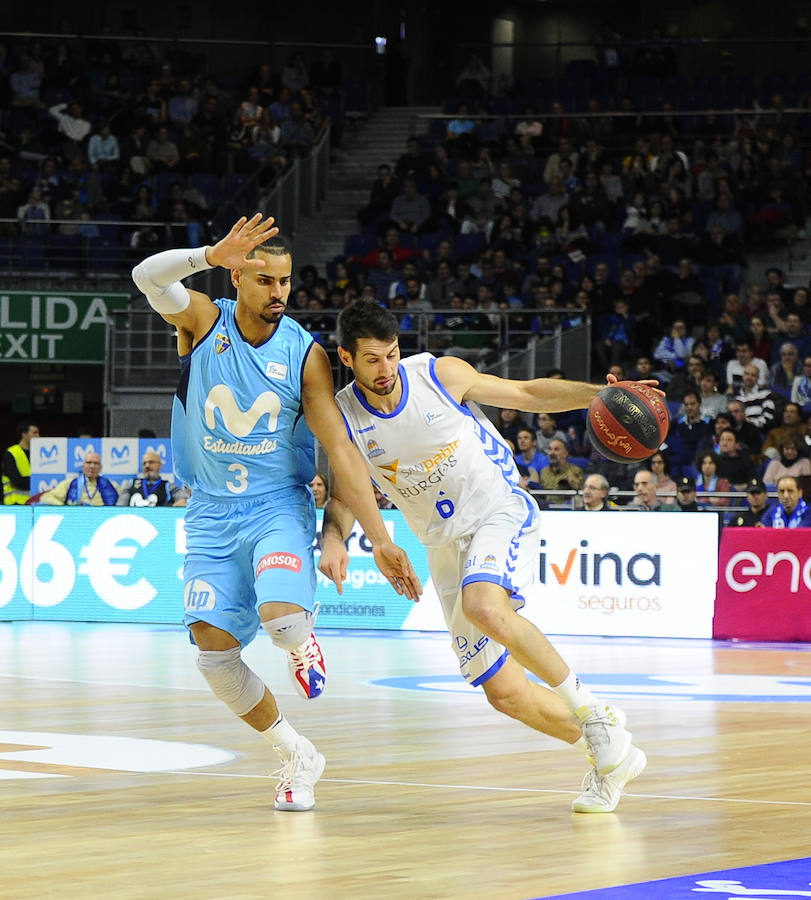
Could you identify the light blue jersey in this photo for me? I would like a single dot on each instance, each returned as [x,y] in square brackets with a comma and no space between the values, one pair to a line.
[242,445]
[238,428]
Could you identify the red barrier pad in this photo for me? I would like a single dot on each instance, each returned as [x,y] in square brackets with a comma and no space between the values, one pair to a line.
[764,585]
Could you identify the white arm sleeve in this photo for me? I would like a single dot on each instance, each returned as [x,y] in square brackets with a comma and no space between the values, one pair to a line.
[159,278]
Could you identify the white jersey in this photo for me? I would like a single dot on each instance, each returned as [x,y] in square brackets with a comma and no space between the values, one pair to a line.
[443,464]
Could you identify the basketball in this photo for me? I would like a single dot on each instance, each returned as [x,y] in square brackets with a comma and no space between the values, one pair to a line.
[627,421]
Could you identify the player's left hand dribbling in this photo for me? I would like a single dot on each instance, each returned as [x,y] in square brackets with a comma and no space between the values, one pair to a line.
[649,382]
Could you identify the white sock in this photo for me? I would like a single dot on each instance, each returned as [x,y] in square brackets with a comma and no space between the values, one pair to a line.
[283,737]
[575,694]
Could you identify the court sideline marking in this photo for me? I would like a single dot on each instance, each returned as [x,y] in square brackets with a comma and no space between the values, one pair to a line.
[480,787]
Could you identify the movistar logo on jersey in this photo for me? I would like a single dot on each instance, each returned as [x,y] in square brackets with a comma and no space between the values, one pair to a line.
[221,342]
[237,421]
[373,449]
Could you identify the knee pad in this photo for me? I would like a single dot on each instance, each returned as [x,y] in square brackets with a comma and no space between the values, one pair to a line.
[239,688]
[289,632]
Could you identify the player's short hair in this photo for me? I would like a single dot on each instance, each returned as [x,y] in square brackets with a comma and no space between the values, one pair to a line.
[365,319]
[278,245]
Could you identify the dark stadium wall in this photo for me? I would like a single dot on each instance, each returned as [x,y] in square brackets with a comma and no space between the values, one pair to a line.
[431,42]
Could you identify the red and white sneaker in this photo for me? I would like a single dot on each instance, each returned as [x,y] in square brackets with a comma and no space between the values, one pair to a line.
[307,668]
[297,778]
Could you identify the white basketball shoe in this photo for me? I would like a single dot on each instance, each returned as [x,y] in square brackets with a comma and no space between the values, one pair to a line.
[297,778]
[601,793]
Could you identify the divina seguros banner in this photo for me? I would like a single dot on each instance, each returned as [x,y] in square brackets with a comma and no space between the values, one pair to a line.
[619,573]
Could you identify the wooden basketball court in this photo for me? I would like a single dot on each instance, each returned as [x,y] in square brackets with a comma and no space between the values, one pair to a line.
[428,793]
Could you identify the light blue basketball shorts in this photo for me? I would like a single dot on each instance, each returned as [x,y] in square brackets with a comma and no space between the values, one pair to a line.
[240,555]
[502,550]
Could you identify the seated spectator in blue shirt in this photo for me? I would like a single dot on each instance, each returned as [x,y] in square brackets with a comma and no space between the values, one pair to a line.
[383,276]
[90,488]
[673,350]
[615,335]
[792,511]
[687,432]
[462,124]
[527,452]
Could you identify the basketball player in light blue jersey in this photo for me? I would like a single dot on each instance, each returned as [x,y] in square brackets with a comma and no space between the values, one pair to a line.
[430,449]
[255,385]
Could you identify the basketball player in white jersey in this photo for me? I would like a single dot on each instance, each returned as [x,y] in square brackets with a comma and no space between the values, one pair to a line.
[431,450]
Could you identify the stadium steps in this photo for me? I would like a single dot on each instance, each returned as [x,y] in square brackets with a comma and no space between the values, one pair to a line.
[381,138]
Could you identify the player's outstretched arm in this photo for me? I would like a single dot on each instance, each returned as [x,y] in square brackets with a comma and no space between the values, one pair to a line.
[463,382]
[326,423]
[159,276]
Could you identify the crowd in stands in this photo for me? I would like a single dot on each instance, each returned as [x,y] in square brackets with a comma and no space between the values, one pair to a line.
[703,462]
[125,131]
[642,223]
[511,217]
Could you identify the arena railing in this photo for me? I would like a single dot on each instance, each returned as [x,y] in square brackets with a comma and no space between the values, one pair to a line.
[101,249]
[142,352]
[573,499]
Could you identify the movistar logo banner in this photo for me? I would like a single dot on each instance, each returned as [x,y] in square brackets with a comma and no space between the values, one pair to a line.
[237,421]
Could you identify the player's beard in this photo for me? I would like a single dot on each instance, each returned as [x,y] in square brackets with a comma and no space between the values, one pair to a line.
[273,318]
[382,391]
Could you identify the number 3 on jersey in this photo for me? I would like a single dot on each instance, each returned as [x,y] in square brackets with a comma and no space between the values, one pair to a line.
[240,482]
[444,507]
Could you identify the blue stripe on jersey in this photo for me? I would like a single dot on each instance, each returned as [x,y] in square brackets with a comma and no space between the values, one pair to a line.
[346,425]
[499,453]
[505,581]
[214,324]
[304,359]
[376,412]
[486,676]
[443,389]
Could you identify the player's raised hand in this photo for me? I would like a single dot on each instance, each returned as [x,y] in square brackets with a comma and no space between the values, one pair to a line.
[394,563]
[246,234]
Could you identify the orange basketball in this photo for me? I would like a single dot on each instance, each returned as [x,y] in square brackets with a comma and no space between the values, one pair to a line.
[627,421]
